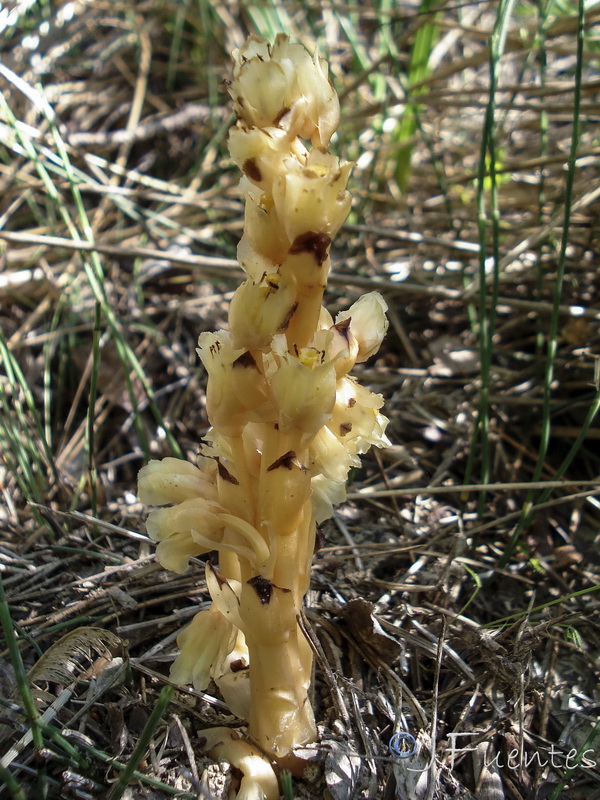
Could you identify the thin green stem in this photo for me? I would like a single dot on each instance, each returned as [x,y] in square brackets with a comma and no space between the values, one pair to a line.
[418,70]
[586,747]
[91,261]
[10,782]
[487,323]
[89,438]
[33,715]
[555,314]
[140,749]
[526,518]
[521,614]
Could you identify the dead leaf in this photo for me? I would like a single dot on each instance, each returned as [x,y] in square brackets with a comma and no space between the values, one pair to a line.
[364,626]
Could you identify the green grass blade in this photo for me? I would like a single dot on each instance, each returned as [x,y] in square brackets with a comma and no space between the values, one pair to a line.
[33,715]
[552,342]
[425,40]
[520,614]
[91,261]
[89,430]
[585,748]
[12,785]
[486,320]
[140,749]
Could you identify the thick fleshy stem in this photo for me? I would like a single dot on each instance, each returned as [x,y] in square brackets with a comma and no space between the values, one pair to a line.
[287,420]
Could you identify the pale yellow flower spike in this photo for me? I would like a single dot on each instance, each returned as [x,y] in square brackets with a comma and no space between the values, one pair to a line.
[287,421]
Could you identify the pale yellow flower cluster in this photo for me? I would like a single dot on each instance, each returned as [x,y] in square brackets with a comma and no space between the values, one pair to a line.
[287,420]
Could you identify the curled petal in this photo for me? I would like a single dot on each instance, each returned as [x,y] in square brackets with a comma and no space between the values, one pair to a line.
[225,595]
[232,676]
[254,263]
[259,547]
[325,319]
[206,546]
[259,310]
[259,153]
[318,111]
[342,347]
[377,437]
[235,386]
[191,515]
[264,90]
[206,640]
[330,457]
[173,480]
[355,419]
[175,552]
[325,495]
[263,234]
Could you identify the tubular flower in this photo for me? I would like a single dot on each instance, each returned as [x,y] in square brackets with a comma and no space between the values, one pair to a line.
[368,323]
[356,419]
[174,480]
[304,391]
[184,531]
[268,305]
[264,245]
[206,642]
[260,153]
[287,420]
[236,386]
[312,196]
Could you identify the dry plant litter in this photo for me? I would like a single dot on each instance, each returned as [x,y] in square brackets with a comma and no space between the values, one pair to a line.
[456,589]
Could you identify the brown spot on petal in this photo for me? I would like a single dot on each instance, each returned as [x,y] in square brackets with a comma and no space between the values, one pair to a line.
[245,360]
[225,474]
[351,402]
[345,428]
[287,319]
[238,665]
[343,328]
[263,588]
[251,169]
[287,460]
[312,242]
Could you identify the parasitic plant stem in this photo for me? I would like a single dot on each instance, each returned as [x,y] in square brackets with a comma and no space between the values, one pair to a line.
[287,420]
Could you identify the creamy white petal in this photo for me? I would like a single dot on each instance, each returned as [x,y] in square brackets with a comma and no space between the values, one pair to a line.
[173,480]
[325,495]
[201,642]
[368,323]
